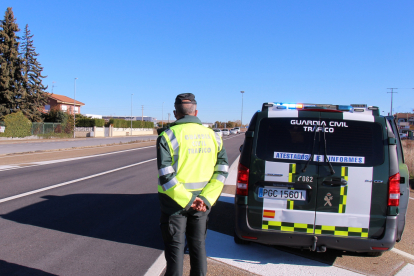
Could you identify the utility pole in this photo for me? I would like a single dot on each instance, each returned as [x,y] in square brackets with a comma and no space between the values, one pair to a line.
[392,92]
[162,117]
[131,113]
[241,121]
[74,117]
[53,85]
[142,118]
[169,117]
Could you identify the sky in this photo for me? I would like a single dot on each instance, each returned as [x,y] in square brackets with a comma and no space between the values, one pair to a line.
[293,51]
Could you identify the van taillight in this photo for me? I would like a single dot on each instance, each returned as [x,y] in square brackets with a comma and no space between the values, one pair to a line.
[394,190]
[242,180]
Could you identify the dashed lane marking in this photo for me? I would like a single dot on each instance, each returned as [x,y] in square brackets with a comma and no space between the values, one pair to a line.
[73,181]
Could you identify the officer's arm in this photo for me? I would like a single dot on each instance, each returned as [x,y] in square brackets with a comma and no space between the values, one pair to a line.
[213,189]
[167,182]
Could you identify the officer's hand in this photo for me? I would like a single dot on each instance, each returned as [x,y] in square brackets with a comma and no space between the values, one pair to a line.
[197,201]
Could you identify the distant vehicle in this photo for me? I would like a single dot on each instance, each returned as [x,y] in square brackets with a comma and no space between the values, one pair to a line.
[218,131]
[403,136]
[238,129]
[225,132]
[233,131]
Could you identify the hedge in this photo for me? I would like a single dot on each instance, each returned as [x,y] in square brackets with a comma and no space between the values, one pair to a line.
[119,123]
[17,125]
[88,122]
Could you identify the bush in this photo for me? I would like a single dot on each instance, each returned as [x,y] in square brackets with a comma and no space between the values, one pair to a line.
[119,123]
[88,122]
[17,125]
[408,148]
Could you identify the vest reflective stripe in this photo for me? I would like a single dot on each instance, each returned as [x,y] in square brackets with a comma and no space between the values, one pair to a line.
[169,184]
[219,177]
[221,168]
[175,146]
[218,139]
[165,171]
[195,186]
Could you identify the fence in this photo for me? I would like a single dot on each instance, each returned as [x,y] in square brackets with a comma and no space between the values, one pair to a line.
[44,128]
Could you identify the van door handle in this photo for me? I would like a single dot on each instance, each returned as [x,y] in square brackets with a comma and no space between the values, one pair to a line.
[335,182]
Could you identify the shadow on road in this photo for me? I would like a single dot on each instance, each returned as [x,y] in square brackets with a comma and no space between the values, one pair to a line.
[131,219]
[15,269]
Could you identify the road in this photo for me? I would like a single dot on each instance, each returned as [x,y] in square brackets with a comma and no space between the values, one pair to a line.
[99,216]
[18,146]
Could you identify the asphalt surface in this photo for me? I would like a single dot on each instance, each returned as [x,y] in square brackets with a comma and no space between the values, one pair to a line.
[18,146]
[108,224]
[104,225]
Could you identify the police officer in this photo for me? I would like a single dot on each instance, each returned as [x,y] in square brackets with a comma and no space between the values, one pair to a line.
[192,167]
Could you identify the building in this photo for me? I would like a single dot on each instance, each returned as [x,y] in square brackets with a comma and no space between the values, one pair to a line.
[405,121]
[93,116]
[62,103]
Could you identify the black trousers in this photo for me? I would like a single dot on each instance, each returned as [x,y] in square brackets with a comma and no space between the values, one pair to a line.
[174,229]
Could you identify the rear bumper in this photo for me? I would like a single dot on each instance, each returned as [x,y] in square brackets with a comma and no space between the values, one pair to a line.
[302,240]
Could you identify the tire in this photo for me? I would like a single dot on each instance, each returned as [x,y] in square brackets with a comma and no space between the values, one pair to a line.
[237,240]
[375,254]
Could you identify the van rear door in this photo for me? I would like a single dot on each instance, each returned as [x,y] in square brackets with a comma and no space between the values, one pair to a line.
[352,186]
[285,183]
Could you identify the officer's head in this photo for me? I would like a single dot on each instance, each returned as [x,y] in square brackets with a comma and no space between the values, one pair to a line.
[185,104]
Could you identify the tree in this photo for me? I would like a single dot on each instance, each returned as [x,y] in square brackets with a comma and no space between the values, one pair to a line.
[35,97]
[11,90]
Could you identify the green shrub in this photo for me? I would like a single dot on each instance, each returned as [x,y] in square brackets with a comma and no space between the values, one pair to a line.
[17,125]
[119,123]
[88,122]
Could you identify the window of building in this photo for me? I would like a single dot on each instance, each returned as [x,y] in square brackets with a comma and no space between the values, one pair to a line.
[64,107]
[47,107]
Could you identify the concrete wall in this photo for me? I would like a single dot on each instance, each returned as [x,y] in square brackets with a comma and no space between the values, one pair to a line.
[99,132]
[127,131]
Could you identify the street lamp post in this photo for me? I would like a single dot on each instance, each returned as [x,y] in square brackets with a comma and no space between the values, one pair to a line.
[131,113]
[74,105]
[162,117]
[241,120]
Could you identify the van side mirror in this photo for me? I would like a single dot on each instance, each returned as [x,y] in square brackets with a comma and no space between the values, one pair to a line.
[241,148]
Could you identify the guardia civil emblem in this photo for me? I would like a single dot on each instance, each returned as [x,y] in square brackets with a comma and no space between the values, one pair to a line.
[328,199]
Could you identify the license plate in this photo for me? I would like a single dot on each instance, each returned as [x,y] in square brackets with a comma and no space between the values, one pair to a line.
[277,193]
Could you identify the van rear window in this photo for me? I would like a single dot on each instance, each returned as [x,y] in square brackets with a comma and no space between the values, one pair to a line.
[356,142]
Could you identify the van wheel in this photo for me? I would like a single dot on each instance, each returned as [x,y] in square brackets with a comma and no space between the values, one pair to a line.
[375,254]
[239,241]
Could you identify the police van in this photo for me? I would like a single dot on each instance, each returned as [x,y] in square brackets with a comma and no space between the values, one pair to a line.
[318,176]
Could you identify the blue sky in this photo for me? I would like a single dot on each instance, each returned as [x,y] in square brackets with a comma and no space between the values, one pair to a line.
[337,52]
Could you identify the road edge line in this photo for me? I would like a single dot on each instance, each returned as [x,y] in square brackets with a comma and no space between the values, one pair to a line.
[72,181]
[402,253]
[157,267]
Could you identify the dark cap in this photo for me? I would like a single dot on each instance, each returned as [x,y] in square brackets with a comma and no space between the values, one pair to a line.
[185,98]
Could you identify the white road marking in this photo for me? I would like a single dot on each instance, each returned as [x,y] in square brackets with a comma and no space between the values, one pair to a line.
[72,181]
[412,198]
[265,260]
[40,163]
[407,270]
[402,253]
[232,177]
[157,267]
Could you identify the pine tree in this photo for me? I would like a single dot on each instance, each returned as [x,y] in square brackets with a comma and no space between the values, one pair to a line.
[11,90]
[35,97]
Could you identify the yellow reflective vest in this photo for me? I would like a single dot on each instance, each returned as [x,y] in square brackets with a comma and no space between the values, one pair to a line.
[191,162]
